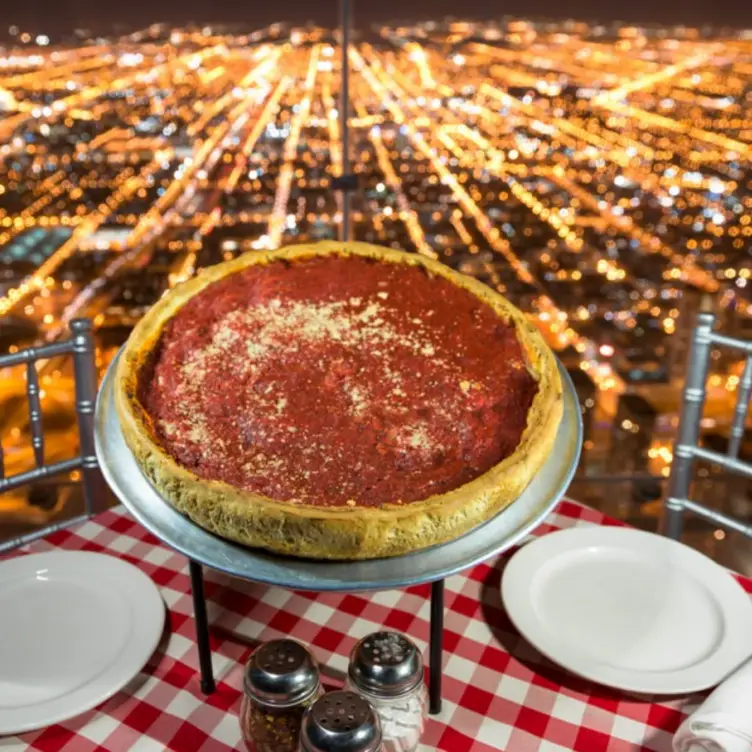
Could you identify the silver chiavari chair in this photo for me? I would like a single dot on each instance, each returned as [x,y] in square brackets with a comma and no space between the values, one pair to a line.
[81,347]
[687,448]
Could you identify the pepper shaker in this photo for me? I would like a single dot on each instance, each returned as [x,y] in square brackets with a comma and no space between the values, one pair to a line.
[386,668]
[281,681]
[341,722]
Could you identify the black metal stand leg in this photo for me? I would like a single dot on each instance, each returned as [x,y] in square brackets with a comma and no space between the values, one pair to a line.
[202,627]
[436,647]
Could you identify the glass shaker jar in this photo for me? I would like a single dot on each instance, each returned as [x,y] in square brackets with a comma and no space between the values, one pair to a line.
[340,722]
[281,681]
[386,668]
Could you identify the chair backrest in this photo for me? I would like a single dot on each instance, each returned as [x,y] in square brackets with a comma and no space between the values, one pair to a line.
[687,448]
[81,347]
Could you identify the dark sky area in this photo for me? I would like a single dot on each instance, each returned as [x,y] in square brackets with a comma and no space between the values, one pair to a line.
[66,14]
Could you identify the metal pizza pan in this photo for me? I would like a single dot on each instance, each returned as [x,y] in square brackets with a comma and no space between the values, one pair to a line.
[487,540]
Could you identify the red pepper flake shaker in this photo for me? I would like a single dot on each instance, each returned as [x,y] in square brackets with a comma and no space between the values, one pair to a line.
[281,681]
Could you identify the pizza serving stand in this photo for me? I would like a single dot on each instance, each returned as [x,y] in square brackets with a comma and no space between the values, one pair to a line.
[431,565]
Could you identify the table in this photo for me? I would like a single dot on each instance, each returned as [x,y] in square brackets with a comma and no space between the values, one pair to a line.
[499,693]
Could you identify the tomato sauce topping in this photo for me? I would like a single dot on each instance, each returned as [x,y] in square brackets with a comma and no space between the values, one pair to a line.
[338,381]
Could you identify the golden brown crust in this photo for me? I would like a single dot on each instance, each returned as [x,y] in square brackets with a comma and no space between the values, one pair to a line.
[339,532]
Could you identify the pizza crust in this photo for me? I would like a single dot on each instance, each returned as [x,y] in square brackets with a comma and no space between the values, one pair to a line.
[339,532]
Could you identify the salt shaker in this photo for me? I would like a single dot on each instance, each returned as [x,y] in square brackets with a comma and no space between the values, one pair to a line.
[386,668]
[341,722]
[281,681]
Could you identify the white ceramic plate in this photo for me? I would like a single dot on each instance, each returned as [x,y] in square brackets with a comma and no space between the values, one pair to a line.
[629,609]
[75,627]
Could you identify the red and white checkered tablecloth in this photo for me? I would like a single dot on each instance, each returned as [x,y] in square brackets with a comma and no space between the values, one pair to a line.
[499,693]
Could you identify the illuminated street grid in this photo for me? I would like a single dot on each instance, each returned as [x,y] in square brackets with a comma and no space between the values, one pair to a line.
[600,178]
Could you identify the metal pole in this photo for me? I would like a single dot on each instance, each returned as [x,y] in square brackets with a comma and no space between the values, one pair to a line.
[202,627]
[24,540]
[689,426]
[742,407]
[85,378]
[436,647]
[35,413]
[344,113]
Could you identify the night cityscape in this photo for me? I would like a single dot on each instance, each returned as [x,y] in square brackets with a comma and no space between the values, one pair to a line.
[597,175]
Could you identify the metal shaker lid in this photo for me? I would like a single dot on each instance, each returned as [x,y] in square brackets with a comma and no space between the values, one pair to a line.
[340,722]
[386,664]
[281,673]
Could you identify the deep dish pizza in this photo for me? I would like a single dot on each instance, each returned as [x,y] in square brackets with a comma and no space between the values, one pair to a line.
[337,400]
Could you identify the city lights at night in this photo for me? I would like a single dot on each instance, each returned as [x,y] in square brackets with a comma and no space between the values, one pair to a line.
[597,176]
